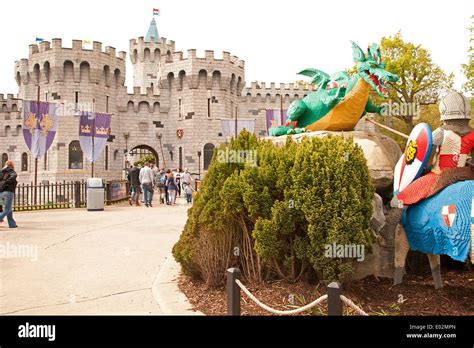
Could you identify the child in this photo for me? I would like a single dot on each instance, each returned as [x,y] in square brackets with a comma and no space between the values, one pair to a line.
[188,191]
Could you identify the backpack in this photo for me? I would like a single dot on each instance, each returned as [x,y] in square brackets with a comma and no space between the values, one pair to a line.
[163,179]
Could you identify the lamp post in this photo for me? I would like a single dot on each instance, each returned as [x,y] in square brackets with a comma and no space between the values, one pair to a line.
[159,136]
[125,153]
[199,162]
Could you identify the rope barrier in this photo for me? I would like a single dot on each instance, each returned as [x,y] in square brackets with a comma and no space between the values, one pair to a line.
[276,311]
[353,305]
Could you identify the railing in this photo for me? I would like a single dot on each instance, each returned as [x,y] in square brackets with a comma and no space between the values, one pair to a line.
[334,298]
[50,195]
[64,194]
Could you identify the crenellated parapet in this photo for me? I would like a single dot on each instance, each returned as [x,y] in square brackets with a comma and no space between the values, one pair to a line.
[143,103]
[51,62]
[141,51]
[261,92]
[191,71]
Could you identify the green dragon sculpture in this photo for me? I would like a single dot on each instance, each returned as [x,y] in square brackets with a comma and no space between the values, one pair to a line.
[341,100]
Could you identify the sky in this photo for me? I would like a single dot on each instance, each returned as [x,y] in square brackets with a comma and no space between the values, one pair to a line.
[276,38]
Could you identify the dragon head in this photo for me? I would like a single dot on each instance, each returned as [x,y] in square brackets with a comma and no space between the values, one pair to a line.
[371,68]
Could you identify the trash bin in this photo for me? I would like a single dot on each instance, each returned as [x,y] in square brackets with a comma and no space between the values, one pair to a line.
[95,194]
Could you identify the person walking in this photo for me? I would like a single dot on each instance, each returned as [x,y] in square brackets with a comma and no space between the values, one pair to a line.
[186,177]
[134,179]
[188,192]
[177,180]
[147,179]
[7,192]
[171,184]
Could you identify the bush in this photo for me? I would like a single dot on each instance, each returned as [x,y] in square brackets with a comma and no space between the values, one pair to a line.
[281,213]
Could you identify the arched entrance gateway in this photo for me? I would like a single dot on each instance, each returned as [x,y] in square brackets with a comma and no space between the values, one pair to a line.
[140,151]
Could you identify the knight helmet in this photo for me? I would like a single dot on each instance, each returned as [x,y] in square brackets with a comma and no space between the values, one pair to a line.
[454,106]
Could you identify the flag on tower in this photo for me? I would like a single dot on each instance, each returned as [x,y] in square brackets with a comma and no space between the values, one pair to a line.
[156,12]
[38,39]
[87,45]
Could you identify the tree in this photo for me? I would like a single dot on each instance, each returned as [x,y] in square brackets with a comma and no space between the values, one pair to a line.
[420,79]
[468,68]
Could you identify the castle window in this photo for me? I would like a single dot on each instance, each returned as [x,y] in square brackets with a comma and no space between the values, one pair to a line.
[216,79]
[24,162]
[46,70]
[75,155]
[107,75]
[117,77]
[157,55]
[4,159]
[181,79]
[232,84]
[231,109]
[208,152]
[202,79]
[68,70]
[107,103]
[147,54]
[180,108]
[85,72]
[168,56]
[170,79]
[36,73]
[4,107]
[106,158]
[18,129]
[76,100]
[208,107]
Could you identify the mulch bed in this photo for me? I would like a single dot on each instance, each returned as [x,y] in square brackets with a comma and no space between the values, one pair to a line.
[416,296]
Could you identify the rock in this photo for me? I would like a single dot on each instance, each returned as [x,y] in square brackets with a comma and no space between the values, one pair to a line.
[381,152]
[377,222]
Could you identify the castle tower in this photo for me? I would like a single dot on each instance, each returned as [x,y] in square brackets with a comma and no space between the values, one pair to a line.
[76,78]
[147,54]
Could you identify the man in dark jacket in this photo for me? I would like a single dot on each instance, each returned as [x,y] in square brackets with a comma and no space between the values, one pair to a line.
[7,191]
[134,177]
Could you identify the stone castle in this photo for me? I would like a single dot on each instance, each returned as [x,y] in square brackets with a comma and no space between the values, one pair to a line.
[177,111]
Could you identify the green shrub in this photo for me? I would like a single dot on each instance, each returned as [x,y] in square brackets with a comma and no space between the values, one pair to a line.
[280,213]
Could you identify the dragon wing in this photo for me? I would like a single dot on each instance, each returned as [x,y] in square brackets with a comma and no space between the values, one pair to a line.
[317,76]
[340,76]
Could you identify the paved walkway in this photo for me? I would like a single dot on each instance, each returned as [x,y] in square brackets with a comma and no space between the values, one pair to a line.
[82,262]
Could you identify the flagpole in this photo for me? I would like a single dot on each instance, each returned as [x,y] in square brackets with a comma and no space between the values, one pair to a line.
[36,158]
[93,133]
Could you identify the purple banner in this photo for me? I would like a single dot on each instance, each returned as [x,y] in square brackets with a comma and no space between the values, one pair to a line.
[40,123]
[94,130]
[274,118]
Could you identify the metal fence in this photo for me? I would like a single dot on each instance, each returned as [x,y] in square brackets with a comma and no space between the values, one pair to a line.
[72,194]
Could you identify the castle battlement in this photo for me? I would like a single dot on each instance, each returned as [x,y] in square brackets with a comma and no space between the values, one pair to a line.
[260,91]
[152,51]
[52,62]
[208,57]
[9,103]
[56,44]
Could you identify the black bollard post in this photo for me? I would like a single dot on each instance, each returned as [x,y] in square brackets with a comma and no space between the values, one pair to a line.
[334,299]
[233,292]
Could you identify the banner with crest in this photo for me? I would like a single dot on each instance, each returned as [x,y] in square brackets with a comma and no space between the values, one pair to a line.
[94,130]
[40,123]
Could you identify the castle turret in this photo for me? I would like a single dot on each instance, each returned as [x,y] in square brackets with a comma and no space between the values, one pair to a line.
[146,55]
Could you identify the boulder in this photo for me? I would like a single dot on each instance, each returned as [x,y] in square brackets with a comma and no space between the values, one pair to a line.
[381,152]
